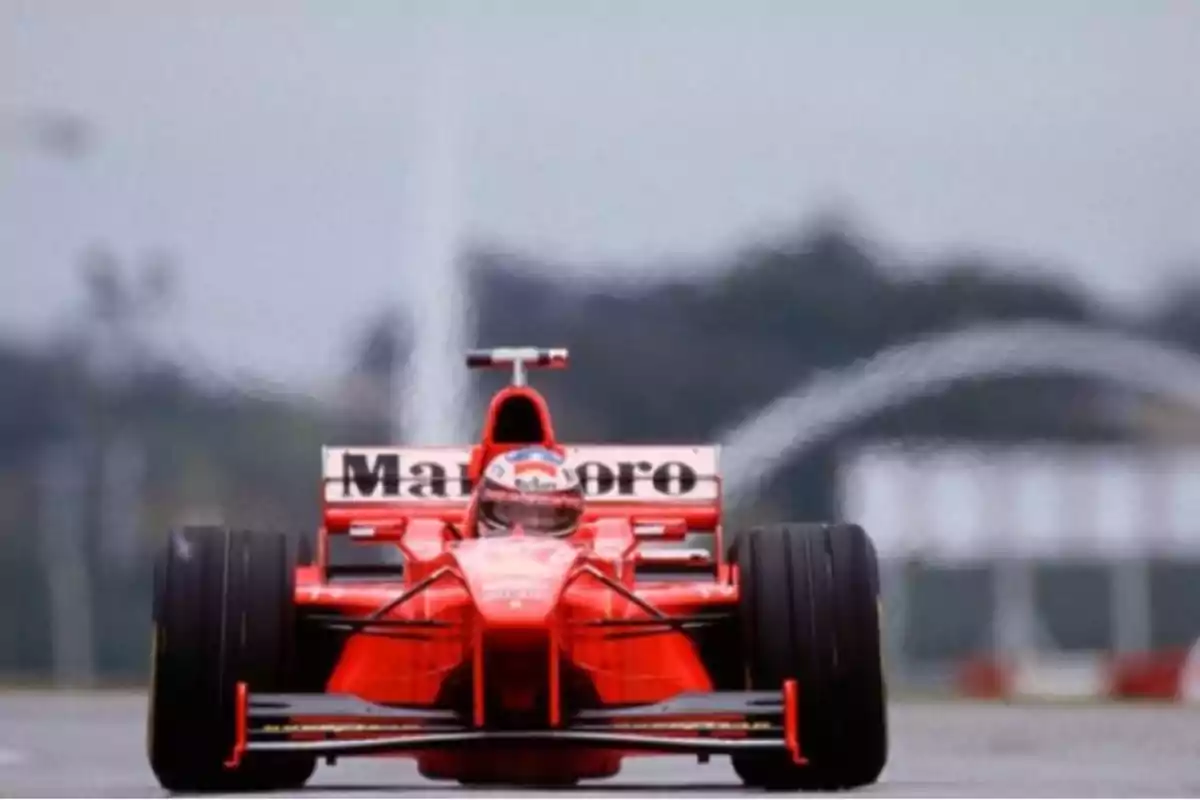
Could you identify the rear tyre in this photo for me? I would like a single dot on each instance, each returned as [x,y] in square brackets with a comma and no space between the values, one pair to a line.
[223,612]
[809,610]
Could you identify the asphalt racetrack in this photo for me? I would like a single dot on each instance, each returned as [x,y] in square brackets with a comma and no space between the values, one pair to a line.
[91,745]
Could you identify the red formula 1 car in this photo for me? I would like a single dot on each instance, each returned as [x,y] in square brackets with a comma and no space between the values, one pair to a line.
[517,659]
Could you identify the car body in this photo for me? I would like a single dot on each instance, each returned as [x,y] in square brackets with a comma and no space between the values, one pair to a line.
[516,659]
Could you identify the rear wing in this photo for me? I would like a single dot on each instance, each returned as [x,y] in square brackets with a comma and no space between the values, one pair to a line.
[668,481]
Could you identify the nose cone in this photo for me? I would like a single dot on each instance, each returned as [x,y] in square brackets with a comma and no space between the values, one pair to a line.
[515,582]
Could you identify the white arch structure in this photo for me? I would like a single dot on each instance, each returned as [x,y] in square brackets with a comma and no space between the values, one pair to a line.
[820,407]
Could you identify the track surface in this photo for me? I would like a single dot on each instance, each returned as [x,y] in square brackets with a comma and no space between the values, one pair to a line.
[91,745]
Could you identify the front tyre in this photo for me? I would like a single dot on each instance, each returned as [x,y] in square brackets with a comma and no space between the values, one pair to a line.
[223,613]
[809,611]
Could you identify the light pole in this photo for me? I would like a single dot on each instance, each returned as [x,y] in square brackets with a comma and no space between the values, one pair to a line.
[120,325]
[61,474]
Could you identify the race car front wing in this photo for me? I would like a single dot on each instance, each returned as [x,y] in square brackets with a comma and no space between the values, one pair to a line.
[702,723]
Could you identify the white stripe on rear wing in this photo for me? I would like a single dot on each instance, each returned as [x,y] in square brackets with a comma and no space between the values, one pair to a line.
[616,473]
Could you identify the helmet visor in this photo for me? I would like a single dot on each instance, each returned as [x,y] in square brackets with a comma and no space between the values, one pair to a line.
[534,514]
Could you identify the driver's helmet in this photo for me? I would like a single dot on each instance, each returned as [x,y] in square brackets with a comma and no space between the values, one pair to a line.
[531,488]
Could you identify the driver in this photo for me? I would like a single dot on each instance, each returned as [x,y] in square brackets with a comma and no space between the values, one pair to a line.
[532,489]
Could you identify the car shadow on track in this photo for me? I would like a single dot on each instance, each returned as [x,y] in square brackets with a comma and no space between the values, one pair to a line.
[502,790]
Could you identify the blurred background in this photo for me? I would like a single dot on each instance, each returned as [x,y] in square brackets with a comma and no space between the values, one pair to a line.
[931,269]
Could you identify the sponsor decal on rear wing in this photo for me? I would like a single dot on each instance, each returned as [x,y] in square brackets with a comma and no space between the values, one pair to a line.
[617,473]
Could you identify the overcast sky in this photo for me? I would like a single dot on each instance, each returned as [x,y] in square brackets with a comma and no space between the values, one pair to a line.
[275,150]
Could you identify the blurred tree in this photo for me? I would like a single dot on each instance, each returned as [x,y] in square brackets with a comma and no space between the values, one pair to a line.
[369,402]
[679,361]
[1177,318]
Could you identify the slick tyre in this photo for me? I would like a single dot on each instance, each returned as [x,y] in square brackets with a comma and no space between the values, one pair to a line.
[809,610]
[223,613]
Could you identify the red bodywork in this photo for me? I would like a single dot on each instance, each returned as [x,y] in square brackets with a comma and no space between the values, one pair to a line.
[513,640]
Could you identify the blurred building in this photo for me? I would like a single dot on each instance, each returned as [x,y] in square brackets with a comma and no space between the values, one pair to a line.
[1030,549]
